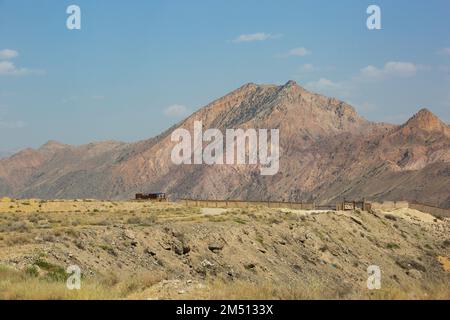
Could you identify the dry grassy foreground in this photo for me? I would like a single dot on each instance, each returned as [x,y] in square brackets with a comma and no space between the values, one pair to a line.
[140,250]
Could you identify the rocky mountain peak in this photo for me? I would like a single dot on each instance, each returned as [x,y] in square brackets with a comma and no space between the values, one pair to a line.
[428,121]
[290,84]
[292,87]
[52,144]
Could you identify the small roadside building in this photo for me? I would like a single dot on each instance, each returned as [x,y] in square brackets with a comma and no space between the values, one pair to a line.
[158,197]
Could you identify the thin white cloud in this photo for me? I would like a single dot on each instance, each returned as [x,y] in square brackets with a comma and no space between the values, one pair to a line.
[12,124]
[444,51]
[8,54]
[322,85]
[70,99]
[402,69]
[342,90]
[364,107]
[304,70]
[295,52]
[308,67]
[362,90]
[372,72]
[298,52]
[391,68]
[444,69]
[251,37]
[82,99]
[8,68]
[176,110]
[6,124]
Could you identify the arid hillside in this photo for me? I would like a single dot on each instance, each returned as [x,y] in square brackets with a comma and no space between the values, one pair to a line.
[140,250]
[327,152]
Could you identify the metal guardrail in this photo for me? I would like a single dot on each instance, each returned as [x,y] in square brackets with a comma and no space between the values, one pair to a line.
[347,205]
[246,204]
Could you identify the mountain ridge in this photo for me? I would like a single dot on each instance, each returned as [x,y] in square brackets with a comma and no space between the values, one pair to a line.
[328,151]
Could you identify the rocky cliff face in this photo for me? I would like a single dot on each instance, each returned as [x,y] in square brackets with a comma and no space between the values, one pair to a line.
[327,151]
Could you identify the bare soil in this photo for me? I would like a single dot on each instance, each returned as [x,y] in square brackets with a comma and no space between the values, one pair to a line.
[141,250]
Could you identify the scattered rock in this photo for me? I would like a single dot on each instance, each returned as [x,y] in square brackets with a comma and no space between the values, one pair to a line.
[206,263]
[413,273]
[357,221]
[180,248]
[215,246]
[150,252]
[231,274]
[165,245]
[446,243]
[177,249]
[186,249]
[250,266]
[297,268]
[390,217]
[129,234]
[407,264]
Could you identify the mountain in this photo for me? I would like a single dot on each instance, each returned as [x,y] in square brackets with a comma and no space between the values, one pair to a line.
[327,152]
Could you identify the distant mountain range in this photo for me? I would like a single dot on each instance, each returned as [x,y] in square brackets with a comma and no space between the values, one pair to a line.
[327,152]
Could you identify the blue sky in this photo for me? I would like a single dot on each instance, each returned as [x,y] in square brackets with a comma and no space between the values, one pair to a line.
[137,67]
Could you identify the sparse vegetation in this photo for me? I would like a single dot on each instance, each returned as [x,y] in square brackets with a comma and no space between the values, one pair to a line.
[109,249]
[52,272]
[240,221]
[392,245]
[141,250]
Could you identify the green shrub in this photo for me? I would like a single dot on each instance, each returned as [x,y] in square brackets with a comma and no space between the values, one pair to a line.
[392,245]
[32,271]
[54,272]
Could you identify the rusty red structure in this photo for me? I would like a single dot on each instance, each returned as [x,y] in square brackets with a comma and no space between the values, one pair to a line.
[159,196]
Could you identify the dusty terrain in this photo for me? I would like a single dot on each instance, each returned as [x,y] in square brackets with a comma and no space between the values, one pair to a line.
[141,250]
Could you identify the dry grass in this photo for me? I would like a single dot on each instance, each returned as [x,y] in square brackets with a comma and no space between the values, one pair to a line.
[24,285]
[434,292]
[17,285]
[242,290]
[93,230]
